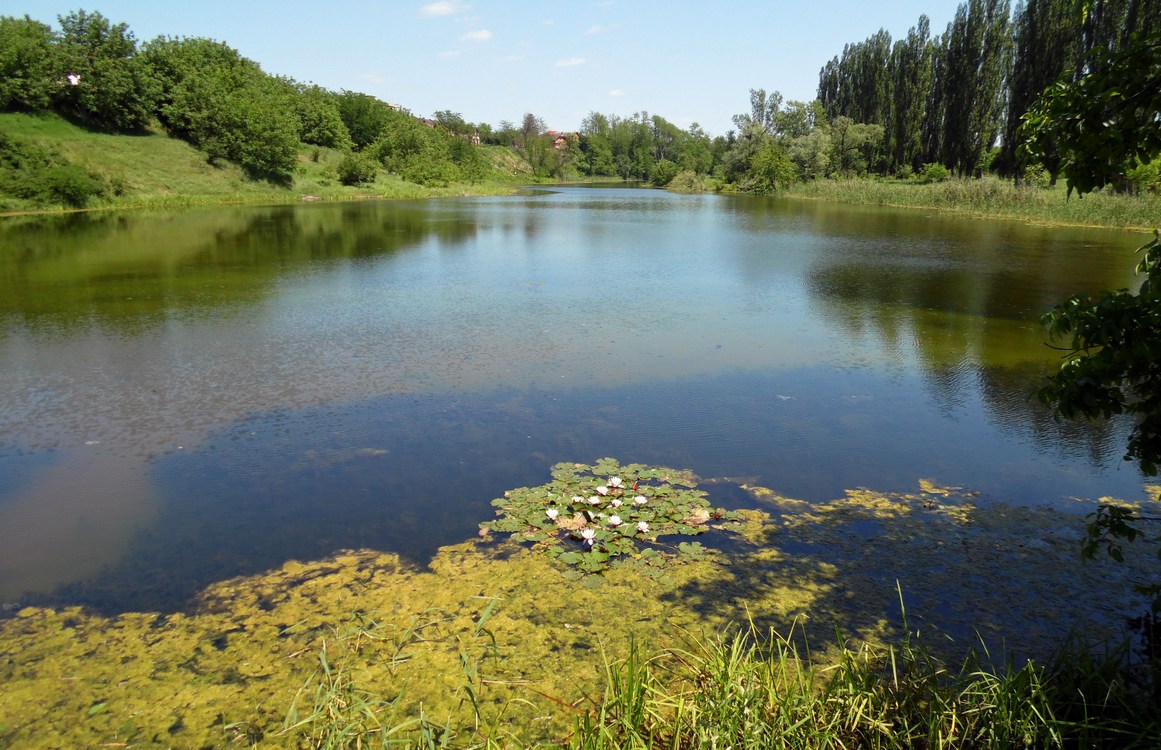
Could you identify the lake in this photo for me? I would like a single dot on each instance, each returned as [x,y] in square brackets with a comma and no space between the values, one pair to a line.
[199,394]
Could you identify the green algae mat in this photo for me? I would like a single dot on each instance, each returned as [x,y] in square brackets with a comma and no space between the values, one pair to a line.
[501,637]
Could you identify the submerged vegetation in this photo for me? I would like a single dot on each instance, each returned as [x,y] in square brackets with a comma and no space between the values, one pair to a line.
[492,644]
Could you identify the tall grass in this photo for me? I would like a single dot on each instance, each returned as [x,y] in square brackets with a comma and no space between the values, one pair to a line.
[993,197]
[747,689]
[750,691]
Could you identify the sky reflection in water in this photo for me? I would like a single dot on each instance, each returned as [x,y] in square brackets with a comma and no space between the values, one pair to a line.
[196,395]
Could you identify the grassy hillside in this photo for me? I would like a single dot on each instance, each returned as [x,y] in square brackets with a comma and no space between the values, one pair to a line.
[155,170]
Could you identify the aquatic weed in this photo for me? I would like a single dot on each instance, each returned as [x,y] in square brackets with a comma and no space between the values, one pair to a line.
[590,517]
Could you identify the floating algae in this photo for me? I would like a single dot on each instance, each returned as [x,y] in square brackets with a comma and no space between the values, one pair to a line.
[493,635]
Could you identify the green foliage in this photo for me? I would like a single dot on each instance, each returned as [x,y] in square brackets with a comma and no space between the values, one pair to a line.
[1037,176]
[771,170]
[356,169]
[35,174]
[687,181]
[591,517]
[114,88]
[225,105]
[1113,358]
[853,145]
[934,172]
[364,116]
[319,120]
[28,64]
[1101,125]
[663,173]
[1145,178]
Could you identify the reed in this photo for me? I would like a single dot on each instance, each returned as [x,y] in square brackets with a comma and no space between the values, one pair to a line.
[993,198]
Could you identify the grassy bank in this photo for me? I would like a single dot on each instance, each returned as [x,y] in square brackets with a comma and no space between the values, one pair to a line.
[992,197]
[155,171]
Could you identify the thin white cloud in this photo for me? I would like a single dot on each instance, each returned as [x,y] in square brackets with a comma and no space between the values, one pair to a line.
[616,92]
[549,22]
[480,35]
[512,58]
[594,29]
[450,53]
[571,62]
[373,77]
[443,8]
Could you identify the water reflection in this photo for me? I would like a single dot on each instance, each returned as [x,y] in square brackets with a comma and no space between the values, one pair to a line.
[228,389]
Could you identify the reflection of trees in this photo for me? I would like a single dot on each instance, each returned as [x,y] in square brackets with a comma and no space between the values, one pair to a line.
[122,270]
[969,329]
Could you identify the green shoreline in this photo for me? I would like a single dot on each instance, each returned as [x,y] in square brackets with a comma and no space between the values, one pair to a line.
[1050,208]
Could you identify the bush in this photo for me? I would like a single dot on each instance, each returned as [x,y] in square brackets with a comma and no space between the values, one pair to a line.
[32,173]
[1035,175]
[687,182]
[70,185]
[356,169]
[1145,178]
[663,173]
[934,172]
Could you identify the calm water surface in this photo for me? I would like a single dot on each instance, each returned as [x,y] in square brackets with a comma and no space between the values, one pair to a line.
[200,394]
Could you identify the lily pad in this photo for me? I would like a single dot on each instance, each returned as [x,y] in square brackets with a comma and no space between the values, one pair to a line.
[591,517]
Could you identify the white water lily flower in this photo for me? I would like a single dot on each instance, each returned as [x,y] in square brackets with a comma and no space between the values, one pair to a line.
[614,481]
[552,513]
[643,527]
[615,502]
[640,500]
[577,499]
[602,490]
[594,500]
[614,520]
[587,535]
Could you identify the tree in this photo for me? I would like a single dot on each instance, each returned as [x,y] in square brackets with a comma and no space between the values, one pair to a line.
[1098,124]
[28,64]
[319,121]
[596,147]
[910,72]
[763,111]
[771,170]
[852,144]
[111,87]
[977,44]
[363,115]
[224,104]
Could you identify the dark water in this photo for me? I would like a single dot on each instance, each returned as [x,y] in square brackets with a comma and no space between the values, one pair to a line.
[202,394]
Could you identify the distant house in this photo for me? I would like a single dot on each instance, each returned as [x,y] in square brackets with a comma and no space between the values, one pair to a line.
[562,139]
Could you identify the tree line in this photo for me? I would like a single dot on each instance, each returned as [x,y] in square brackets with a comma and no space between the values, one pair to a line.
[94,72]
[922,106]
[957,99]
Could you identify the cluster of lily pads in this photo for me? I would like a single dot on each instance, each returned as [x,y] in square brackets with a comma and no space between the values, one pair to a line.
[594,516]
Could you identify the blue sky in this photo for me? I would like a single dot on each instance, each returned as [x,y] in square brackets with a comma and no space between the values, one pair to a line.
[492,61]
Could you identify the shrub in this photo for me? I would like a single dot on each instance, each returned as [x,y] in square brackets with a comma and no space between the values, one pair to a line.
[934,172]
[1035,175]
[687,182]
[33,173]
[663,173]
[356,169]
